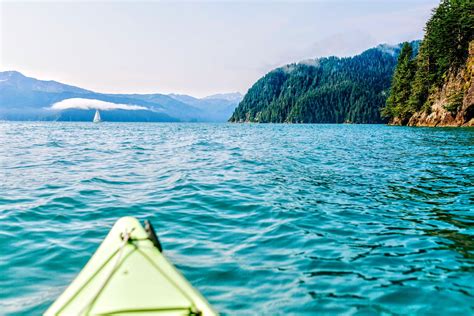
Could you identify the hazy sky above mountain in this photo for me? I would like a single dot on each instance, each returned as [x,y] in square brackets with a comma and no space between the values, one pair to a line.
[194,48]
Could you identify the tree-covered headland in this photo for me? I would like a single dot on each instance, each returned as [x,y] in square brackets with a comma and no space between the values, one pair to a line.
[435,86]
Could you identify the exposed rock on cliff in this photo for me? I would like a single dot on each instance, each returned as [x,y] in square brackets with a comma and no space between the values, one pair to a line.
[453,104]
[435,88]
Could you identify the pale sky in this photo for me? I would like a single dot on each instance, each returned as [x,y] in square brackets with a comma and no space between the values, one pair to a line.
[196,48]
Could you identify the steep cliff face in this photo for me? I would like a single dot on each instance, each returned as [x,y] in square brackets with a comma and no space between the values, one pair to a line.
[453,104]
[435,88]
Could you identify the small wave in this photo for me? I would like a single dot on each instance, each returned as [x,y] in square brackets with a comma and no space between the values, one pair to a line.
[277,219]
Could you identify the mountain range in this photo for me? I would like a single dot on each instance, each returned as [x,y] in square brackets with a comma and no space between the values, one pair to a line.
[25,98]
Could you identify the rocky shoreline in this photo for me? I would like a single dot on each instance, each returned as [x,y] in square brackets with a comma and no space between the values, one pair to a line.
[439,115]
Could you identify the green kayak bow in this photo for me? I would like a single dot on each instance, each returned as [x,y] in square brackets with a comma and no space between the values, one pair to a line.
[128,275]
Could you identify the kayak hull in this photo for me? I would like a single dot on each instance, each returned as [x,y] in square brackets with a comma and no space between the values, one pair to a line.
[128,275]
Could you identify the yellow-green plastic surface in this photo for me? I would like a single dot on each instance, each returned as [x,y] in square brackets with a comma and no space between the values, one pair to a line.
[129,278]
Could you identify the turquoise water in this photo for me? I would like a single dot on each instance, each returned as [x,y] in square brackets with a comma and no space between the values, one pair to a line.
[266,219]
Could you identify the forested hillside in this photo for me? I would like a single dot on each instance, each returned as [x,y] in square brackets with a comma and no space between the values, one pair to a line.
[325,90]
[436,87]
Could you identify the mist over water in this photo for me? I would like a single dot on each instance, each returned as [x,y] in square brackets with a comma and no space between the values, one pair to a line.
[263,219]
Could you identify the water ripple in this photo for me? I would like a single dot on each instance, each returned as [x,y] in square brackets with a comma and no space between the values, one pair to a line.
[274,219]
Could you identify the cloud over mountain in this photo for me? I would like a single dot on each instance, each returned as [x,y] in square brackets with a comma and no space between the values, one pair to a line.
[92,104]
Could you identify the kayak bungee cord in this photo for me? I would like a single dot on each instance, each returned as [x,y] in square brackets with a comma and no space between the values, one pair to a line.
[125,237]
[85,283]
[149,283]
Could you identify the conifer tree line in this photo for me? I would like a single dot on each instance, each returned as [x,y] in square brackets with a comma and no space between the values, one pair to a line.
[444,50]
[325,90]
[376,86]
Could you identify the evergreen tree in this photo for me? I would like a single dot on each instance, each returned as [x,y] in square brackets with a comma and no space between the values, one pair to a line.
[444,50]
[400,89]
[330,90]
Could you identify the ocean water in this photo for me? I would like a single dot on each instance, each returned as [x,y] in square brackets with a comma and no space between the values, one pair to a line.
[262,219]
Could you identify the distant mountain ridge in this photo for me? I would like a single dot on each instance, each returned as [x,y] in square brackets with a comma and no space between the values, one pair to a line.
[26,98]
[323,90]
[17,80]
[233,96]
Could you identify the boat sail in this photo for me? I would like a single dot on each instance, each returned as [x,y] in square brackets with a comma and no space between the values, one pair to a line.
[97,118]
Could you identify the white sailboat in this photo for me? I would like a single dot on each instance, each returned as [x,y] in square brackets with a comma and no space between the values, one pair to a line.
[97,118]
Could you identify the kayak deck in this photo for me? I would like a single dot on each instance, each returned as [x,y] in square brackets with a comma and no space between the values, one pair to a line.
[128,275]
